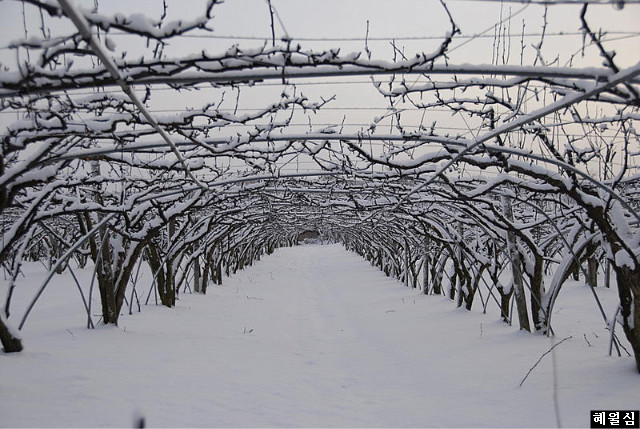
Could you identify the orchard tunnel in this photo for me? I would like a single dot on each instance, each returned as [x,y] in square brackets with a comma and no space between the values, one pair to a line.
[530,182]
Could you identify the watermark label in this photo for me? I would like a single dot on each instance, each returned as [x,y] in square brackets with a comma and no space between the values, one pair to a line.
[615,419]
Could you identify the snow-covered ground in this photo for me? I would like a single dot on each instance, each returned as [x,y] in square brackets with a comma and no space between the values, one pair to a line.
[309,336]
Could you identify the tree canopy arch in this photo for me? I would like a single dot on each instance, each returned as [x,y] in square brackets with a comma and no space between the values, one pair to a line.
[541,181]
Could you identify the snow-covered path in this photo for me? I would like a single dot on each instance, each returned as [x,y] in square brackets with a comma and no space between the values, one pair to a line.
[309,336]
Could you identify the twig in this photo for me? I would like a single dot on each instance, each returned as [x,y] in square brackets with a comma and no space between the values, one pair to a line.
[543,355]
[273,27]
[612,340]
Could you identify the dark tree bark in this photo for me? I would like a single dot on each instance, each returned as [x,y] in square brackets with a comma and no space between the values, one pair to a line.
[629,291]
[536,280]
[505,299]
[163,279]
[10,343]
[516,269]
[592,271]
[197,285]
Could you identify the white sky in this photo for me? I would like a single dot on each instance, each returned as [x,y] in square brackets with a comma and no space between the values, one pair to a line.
[348,19]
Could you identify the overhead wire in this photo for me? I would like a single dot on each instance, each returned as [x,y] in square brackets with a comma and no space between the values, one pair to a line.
[379,38]
[483,35]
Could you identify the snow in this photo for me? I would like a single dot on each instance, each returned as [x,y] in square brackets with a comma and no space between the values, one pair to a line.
[309,336]
[624,259]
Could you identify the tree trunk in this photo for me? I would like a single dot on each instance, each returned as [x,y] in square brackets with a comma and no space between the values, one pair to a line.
[406,263]
[425,274]
[575,274]
[11,343]
[537,292]
[125,272]
[516,268]
[592,271]
[437,273]
[629,291]
[218,269]
[453,282]
[505,299]
[164,283]
[473,286]
[196,274]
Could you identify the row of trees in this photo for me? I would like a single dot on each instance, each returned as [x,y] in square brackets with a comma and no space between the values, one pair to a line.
[544,188]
